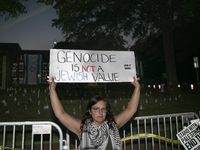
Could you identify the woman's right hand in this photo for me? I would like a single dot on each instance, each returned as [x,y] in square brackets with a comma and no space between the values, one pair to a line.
[52,85]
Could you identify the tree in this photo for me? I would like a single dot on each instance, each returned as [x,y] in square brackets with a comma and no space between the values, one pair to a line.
[101,41]
[186,46]
[139,18]
[150,52]
[12,8]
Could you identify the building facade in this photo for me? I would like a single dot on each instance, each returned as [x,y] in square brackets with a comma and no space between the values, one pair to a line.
[13,67]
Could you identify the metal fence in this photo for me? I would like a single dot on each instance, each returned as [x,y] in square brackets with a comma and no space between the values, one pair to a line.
[143,133]
[155,132]
[30,135]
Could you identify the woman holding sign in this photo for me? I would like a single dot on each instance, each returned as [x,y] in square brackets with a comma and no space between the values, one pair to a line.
[99,128]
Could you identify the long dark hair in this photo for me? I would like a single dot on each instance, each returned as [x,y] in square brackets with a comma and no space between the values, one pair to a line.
[93,101]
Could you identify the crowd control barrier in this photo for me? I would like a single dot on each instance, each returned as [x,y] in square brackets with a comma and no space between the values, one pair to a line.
[156,132]
[30,135]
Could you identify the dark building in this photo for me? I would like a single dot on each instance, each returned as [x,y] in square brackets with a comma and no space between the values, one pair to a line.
[12,64]
[9,53]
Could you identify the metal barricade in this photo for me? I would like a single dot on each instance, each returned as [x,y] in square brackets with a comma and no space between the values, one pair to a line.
[30,135]
[155,132]
[142,133]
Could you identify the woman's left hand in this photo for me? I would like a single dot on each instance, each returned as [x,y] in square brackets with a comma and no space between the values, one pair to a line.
[135,82]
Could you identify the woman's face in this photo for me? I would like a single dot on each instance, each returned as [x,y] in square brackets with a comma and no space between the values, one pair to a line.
[98,113]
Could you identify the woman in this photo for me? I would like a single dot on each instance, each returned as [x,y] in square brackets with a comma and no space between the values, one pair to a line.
[98,128]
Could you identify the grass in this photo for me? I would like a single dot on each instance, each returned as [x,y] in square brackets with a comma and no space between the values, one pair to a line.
[28,103]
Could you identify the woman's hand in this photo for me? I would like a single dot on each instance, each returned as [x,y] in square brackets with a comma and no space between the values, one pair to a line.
[52,85]
[135,82]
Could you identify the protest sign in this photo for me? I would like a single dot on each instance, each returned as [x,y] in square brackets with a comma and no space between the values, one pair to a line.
[190,137]
[41,129]
[68,65]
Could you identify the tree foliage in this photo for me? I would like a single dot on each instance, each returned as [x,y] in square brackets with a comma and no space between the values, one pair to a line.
[100,41]
[87,18]
[139,18]
[131,17]
[12,8]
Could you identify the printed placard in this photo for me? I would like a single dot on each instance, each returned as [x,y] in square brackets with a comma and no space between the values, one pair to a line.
[41,129]
[68,65]
[190,137]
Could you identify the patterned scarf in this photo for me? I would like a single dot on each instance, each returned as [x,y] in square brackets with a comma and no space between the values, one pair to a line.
[96,138]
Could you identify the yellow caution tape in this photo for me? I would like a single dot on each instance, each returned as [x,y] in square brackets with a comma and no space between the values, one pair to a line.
[3,147]
[18,148]
[128,138]
[152,135]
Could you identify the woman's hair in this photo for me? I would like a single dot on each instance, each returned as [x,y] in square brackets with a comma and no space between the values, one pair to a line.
[93,101]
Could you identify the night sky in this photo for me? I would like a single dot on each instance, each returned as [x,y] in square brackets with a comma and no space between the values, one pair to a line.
[33,31]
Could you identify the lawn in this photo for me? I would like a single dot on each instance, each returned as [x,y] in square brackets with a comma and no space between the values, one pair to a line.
[32,103]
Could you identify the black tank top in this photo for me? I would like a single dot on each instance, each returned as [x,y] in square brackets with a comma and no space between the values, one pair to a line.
[109,145]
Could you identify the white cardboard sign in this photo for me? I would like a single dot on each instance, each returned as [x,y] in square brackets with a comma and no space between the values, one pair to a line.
[190,137]
[68,65]
[41,129]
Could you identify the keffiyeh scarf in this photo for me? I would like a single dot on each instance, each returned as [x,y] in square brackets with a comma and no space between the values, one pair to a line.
[96,138]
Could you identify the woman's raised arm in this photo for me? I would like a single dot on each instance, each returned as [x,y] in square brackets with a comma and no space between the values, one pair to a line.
[131,109]
[69,122]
